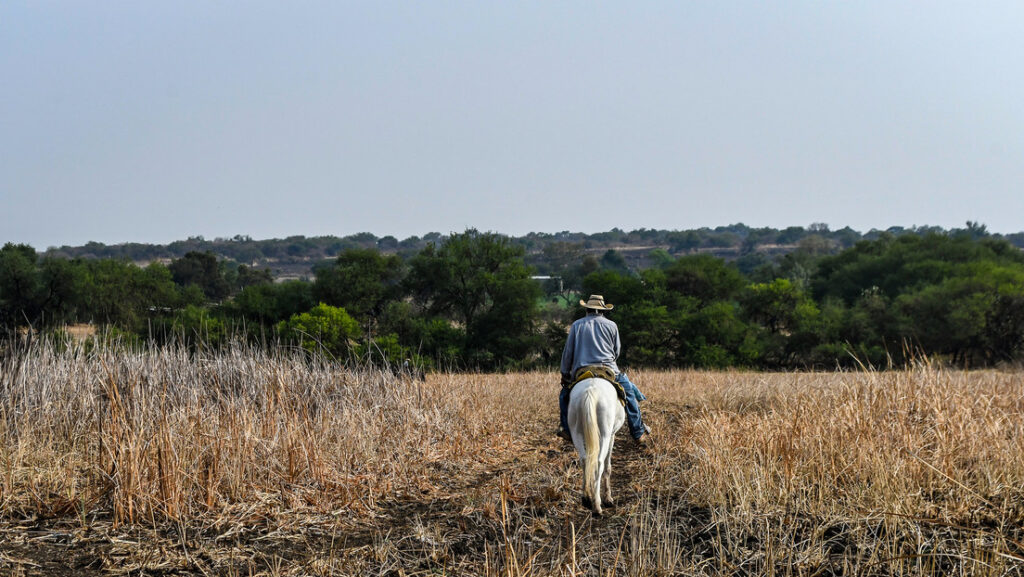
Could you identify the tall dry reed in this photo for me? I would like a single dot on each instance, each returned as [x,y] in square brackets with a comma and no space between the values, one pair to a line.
[169,434]
[362,471]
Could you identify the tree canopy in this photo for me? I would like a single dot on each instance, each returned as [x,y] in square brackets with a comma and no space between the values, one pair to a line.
[481,300]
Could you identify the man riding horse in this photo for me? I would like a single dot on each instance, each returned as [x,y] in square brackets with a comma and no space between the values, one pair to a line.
[593,342]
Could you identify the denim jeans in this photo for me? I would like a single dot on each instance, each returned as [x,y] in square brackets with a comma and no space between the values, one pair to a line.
[633,396]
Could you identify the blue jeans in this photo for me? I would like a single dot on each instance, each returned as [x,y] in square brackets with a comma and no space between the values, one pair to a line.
[633,397]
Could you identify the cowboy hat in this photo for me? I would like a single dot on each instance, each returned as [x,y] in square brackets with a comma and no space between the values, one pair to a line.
[596,302]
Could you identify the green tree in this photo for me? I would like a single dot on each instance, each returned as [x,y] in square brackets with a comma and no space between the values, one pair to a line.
[122,294]
[779,306]
[323,329]
[660,258]
[203,270]
[246,276]
[790,235]
[790,319]
[563,260]
[949,296]
[480,281]
[714,336]
[361,280]
[434,341]
[683,241]
[61,289]
[613,260]
[1003,336]
[894,265]
[269,304]
[974,317]
[197,327]
[641,313]
[704,277]
[19,286]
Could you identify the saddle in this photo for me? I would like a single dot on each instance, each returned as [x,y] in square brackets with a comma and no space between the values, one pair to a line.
[598,372]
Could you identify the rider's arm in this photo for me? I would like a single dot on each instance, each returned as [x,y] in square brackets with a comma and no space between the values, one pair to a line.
[567,354]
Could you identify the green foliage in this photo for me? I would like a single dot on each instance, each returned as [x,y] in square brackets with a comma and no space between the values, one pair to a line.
[362,280]
[388,351]
[122,294]
[973,317]
[684,242]
[197,327]
[19,286]
[788,318]
[245,276]
[614,261]
[953,297]
[203,270]
[434,340]
[568,262]
[54,291]
[323,330]
[480,281]
[898,264]
[642,312]
[715,336]
[269,304]
[704,278]
[673,318]
[660,258]
[779,306]
[467,300]
[112,337]
[61,288]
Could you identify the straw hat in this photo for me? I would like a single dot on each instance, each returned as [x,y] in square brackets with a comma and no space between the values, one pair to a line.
[596,302]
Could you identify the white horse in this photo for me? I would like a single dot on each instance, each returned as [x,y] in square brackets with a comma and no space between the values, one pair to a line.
[595,415]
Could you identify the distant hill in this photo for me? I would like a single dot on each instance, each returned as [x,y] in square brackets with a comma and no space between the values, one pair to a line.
[295,256]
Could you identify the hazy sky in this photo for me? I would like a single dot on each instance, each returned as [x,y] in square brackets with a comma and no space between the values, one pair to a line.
[151,122]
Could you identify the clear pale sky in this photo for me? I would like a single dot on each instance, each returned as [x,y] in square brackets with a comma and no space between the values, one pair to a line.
[127,121]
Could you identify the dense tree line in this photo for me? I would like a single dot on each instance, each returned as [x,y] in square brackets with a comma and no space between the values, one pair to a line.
[470,301]
[546,252]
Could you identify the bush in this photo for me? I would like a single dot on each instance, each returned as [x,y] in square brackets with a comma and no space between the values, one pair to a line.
[323,330]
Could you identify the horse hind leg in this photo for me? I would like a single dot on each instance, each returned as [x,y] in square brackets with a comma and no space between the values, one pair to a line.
[596,508]
[606,482]
[593,503]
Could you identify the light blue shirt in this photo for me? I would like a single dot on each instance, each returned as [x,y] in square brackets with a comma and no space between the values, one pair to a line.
[593,340]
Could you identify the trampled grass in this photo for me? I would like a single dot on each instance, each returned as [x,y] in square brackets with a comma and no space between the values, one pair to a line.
[249,463]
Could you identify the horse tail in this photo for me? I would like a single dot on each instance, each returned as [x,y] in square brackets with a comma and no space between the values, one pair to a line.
[591,444]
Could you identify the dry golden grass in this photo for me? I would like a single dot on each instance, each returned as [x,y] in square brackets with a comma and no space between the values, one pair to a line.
[246,463]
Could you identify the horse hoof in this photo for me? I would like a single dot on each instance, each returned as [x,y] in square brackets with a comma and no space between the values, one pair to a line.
[610,504]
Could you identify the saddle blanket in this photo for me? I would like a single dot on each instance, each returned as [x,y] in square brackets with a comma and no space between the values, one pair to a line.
[599,372]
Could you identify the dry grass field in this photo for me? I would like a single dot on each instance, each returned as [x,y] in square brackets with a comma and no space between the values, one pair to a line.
[114,462]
